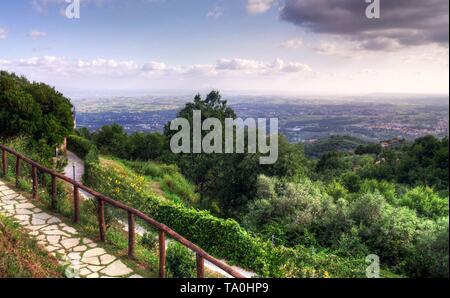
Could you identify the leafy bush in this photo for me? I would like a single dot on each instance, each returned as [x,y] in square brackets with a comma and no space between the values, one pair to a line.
[222,238]
[180,261]
[33,109]
[174,185]
[150,240]
[426,202]
[79,145]
[430,259]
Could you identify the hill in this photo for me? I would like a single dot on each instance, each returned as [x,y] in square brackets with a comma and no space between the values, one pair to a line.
[333,143]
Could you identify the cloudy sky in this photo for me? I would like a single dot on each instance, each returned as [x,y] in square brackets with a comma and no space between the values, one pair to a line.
[252,46]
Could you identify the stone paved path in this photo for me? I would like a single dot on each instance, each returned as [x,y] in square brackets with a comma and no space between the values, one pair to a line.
[81,255]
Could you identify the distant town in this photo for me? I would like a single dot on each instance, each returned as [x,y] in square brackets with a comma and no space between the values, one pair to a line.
[305,121]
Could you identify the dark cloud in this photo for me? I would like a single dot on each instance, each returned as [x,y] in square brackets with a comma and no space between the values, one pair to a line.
[402,22]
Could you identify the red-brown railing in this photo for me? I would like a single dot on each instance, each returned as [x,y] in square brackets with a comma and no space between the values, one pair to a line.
[201,255]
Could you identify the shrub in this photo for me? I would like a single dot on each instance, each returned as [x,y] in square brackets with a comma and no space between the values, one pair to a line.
[430,258]
[426,202]
[222,238]
[180,261]
[79,145]
[150,240]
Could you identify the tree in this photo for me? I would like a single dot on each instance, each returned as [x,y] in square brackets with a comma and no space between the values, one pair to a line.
[231,178]
[33,109]
[111,140]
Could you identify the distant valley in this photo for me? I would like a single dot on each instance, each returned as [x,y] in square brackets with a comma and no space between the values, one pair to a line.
[301,120]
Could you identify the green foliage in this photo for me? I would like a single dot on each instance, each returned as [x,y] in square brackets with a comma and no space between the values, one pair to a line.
[79,145]
[431,256]
[353,224]
[180,261]
[423,162]
[33,109]
[230,179]
[369,149]
[111,140]
[174,185]
[222,238]
[426,202]
[150,240]
[332,144]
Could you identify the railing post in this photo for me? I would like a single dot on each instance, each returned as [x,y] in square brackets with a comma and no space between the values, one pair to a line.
[4,162]
[17,170]
[54,191]
[131,234]
[200,266]
[76,204]
[101,219]
[162,254]
[35,182]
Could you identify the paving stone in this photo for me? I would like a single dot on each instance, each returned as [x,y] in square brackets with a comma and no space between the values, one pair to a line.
[95,268]
[87,240]
[106,259]
[37,222]
[51,248]
[95,252]
[8,192]
[74,256]
[53,239]
[70,230]
[24,206]
[56,232]
[116,269]
[53,220]
[42,216]
[80,248]
[23,211]
[93,275]
[69,243]
[34,228]
[85,272]
[50,228]
[91,261]
[22,217]
[12,196]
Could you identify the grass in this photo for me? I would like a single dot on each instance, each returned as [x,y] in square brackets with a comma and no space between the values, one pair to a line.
[21,257]
[171,183]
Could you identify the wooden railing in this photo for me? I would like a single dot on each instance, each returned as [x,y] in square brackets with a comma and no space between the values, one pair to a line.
[201,255]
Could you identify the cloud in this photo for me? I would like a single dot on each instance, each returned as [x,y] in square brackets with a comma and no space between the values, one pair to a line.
[259,6]
[215,13]
[115,68]
[37,34]
[403,22]
[260,67]
[292,44]
[154,66]
[3,33]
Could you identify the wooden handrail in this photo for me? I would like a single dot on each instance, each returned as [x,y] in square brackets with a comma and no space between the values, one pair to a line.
[201,255]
